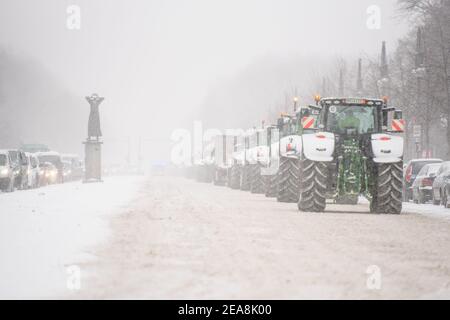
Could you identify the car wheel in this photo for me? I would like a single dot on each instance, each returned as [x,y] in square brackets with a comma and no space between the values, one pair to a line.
[420,198]
[10,187]
[445,199]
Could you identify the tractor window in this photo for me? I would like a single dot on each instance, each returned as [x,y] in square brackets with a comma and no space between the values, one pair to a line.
[348,119]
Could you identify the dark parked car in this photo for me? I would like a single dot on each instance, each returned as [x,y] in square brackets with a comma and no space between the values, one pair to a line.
[20,163]
[441,185]
[423,184]
[411,170]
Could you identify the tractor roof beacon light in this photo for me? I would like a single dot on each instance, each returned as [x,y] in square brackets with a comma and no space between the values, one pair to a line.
[317,99]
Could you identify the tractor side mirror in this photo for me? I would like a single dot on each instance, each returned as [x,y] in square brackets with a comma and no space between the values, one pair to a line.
[398,115]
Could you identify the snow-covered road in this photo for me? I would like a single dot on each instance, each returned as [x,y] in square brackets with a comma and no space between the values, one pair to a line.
[182,239]
[43,232]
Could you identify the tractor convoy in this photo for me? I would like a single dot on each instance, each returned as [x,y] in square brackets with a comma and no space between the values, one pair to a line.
[332,152]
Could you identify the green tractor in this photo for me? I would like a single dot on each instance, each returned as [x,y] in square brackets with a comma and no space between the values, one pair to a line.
[291,129]
[351,153]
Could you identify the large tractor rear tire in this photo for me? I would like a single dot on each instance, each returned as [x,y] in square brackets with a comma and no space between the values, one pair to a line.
[245,178]
[272,186]
[234,181]
[387,188]
[288,180]
[257,183]
[313,186]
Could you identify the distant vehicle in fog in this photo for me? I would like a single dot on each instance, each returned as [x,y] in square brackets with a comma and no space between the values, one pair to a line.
[34,148]
[48,174]
[55,159]
[20,161]
[6,172]
[73,167]
[411,170]
[441,186]
[33,170]
[423,184]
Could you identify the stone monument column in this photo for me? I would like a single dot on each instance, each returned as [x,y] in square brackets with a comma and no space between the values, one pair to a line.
[93,144]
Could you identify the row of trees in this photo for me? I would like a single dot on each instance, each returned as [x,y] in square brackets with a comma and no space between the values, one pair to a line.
[415,76]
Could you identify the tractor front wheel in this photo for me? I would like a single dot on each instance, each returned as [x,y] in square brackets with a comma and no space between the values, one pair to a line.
[288,180]
[387,188]
[257,182]
[272,186]
[234,181]
[245,178]
[313,186]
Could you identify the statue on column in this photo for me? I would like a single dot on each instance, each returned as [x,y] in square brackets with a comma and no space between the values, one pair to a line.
[94,129]
[93,145]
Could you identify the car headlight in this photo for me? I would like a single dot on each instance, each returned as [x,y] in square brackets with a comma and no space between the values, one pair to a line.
[4,172]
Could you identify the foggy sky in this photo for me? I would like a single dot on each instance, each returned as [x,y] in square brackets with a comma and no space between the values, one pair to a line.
[156,61]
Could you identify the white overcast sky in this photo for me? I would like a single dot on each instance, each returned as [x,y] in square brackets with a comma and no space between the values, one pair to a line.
[156,59]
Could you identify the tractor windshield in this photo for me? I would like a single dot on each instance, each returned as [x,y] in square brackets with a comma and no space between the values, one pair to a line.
[351,119]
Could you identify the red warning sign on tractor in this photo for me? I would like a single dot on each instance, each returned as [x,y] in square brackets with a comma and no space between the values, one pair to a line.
[398,125]
[308,122]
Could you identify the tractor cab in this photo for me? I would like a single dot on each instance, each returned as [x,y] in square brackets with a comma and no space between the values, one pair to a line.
[358,117]
[285,125]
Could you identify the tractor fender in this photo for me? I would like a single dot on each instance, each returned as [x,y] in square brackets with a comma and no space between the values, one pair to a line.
[238,156]
[252,155]
[291,146]
[275,151]
[319,146]
[387,148]
[263,155]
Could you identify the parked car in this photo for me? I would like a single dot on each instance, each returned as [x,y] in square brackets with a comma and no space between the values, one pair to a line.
[20,161]
[441,185]
[33,170]
[48,173]
[55,159]
[73,167]
[412,169]
[7,174]
[423,184]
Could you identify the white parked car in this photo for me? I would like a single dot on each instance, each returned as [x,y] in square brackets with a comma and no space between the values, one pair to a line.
[33,170]
[7,175]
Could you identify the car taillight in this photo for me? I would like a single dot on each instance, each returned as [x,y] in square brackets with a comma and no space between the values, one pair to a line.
[289,147]
[408,174]
[426,182]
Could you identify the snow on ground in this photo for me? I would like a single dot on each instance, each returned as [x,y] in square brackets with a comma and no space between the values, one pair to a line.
[44,231]
[186,240]
[428,210]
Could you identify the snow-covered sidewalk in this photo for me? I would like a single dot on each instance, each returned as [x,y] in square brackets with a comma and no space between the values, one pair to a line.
[44,231]
[428,210]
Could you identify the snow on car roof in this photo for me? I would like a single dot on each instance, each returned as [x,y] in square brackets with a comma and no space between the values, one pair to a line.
[70,155]
[48,153]
[425,159]
[3,151]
